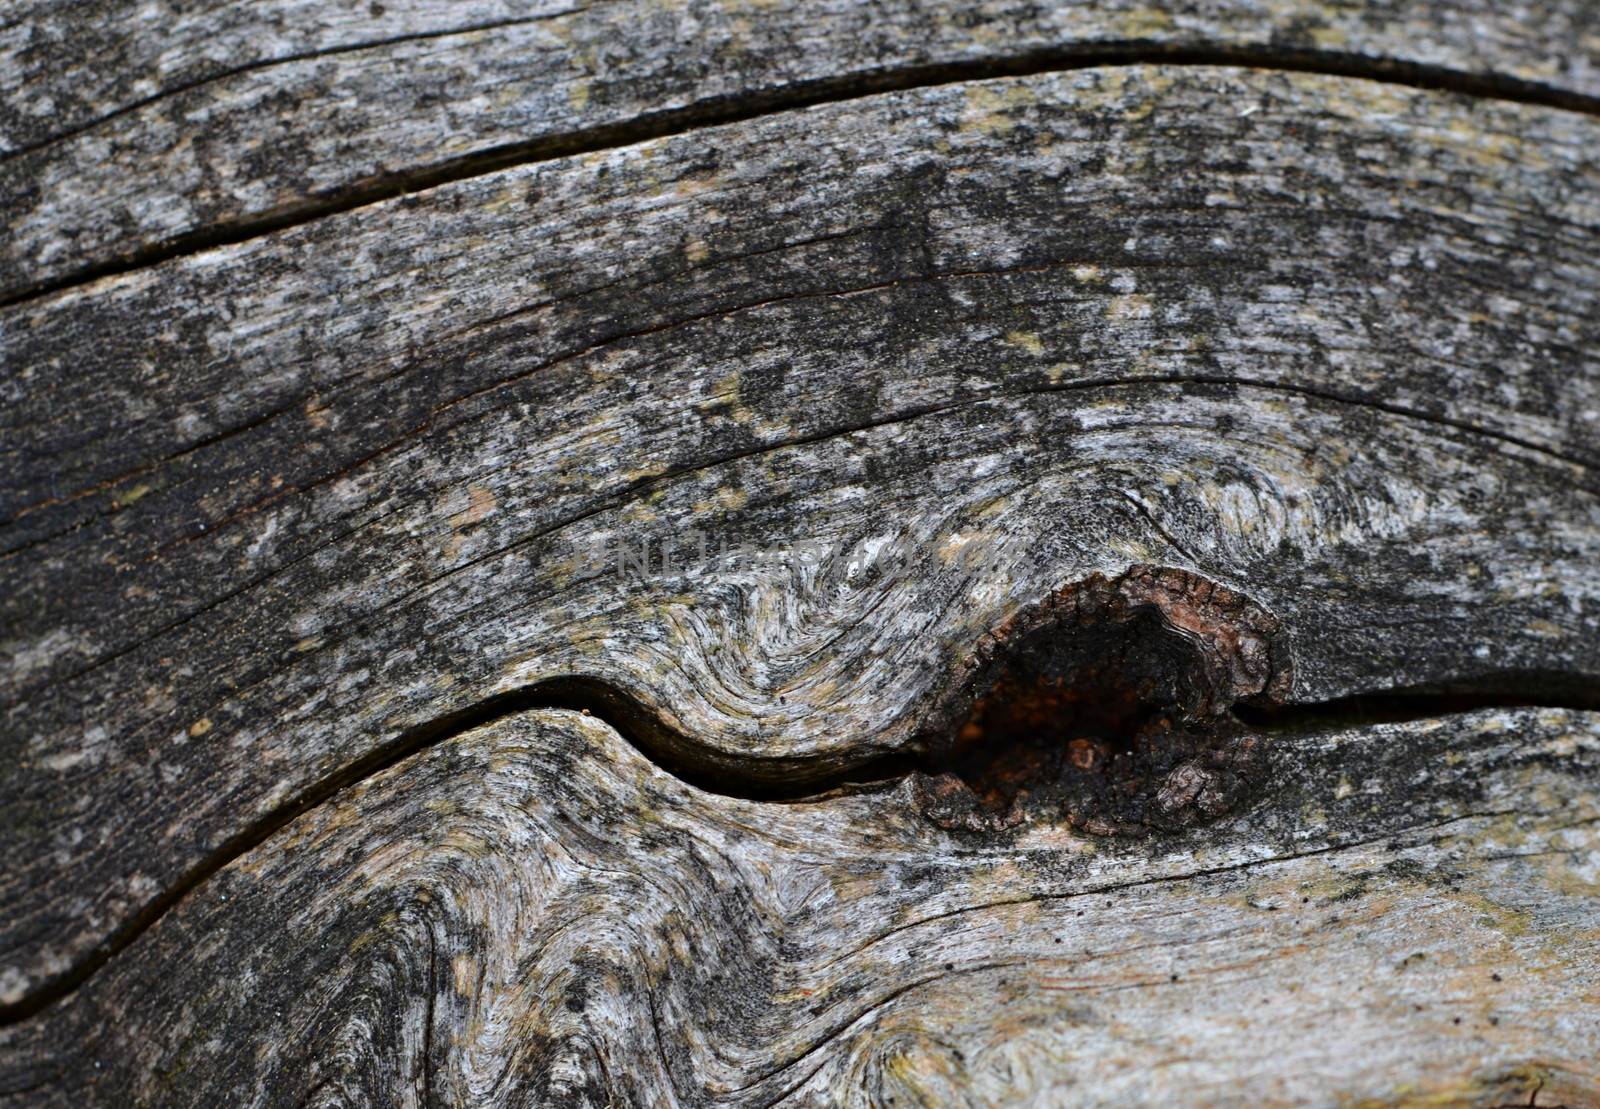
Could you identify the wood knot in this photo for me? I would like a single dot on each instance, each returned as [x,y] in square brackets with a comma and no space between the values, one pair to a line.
[1107,704]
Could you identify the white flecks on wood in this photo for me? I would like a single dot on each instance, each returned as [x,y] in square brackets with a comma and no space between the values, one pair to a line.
[533,913]
[122,139]
[284,517]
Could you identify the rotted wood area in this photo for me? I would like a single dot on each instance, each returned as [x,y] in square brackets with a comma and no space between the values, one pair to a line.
[819,554]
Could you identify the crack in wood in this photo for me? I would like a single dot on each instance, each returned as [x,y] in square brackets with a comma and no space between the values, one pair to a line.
[717,111]
[647,485]
[1256,698]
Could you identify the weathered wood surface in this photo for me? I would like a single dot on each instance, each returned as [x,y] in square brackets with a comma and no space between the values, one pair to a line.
[125,128]
[282,514]
[532,913]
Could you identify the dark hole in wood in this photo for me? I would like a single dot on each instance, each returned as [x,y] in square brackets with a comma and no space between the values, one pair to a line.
[1106,713]
[1087,712]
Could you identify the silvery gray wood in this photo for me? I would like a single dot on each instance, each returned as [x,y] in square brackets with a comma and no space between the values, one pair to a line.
[128,129]
[281,513]
[531,913]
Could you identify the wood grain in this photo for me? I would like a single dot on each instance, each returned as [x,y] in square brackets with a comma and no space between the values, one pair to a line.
[532,913]
[325,510]
[356,469]
[130,130]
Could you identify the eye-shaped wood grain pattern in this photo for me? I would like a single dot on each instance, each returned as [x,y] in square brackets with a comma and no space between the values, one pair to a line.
[128,130]
[531,913]
[753,438]
[1326,342]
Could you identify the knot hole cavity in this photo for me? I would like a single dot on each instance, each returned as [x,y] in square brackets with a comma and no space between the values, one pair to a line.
[1108,705]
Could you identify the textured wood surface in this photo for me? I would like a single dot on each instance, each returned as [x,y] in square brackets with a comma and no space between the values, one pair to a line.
[119,141]
[532,913]
[285,516]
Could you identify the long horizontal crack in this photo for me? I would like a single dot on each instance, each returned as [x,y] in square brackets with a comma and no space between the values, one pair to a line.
[634,490]
[1498,690]
[777,780]
[722,110]
[770,780]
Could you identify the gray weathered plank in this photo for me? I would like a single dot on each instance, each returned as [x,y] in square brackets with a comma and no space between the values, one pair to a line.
[532,913]
[1326,341]
[127,126]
